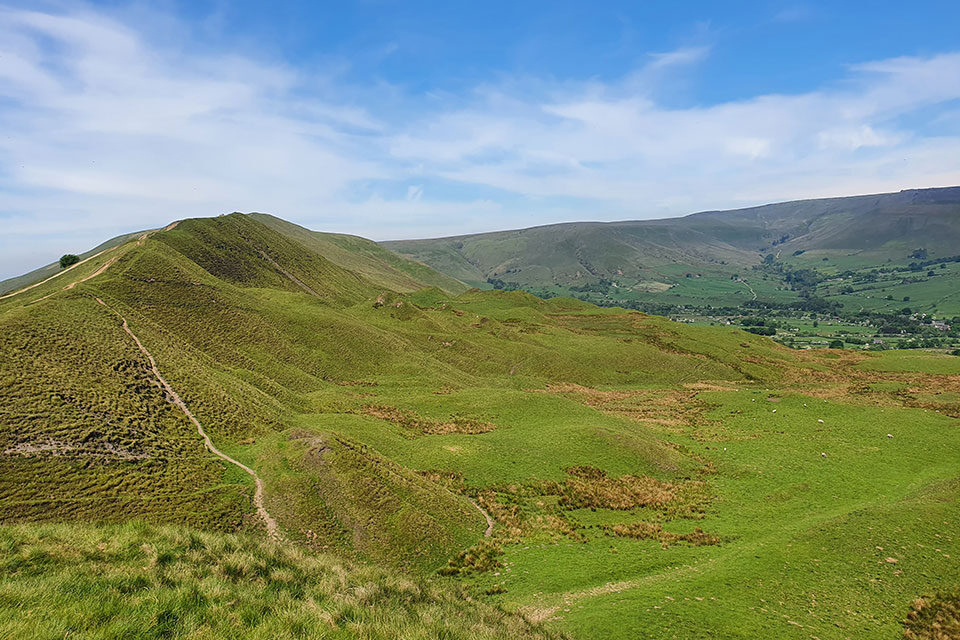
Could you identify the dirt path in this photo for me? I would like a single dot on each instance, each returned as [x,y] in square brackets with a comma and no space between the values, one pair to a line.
[102,268]
[751,289]
[140,239]
[271,524]
[56,275]
[490,523]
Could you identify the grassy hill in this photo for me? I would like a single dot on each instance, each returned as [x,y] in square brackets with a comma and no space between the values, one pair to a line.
[365,257]
[634,468]
[46,271]
[857,258]
[875,227]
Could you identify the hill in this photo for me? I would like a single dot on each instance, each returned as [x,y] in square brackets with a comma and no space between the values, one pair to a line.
[53,269]
[366,257]
[631,468]
[875,227]
[811,273]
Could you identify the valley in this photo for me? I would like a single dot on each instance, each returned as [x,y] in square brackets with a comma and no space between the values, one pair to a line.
[644,477]
[874,272]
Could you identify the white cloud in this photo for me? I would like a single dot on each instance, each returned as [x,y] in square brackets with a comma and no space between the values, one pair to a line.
[678,57]
[104,131]
[626,151]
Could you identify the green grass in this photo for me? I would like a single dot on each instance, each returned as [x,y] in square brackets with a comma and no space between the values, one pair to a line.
[139,581]
[299,364]
[919,361]
[801,534]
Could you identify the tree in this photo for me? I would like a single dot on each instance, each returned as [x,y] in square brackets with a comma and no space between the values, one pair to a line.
[68,259]
[836,344]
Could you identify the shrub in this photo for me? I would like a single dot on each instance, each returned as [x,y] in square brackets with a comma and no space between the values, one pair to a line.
[68,259]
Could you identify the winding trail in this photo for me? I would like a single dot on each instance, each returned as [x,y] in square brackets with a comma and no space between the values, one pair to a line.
[143,236]
[272,529]
[490,523]
[747,284]
[57,274]
[103,267]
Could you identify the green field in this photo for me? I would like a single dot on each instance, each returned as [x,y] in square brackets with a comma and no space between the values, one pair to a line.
[646,478]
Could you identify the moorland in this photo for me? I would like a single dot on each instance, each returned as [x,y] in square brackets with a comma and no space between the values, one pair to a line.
[445,461]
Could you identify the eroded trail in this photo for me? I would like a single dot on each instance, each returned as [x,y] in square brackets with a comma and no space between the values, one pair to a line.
[268,520]
[57,275]
[490,523]
[140,239]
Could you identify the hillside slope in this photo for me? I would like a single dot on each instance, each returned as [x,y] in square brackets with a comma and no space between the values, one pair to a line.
[253,329]
[136,581]
[882,226]
[47,271]
[365,257]
[624,459]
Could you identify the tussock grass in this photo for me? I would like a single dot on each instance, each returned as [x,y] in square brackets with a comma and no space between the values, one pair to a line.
[934,617]
[139,581]
[654,531]
[591,488]
[418,424]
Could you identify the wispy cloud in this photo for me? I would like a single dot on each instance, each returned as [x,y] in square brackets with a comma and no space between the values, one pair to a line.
[678,57]
[106,131]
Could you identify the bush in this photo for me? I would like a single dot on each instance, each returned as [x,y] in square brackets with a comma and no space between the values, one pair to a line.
[68,259]
[836,344]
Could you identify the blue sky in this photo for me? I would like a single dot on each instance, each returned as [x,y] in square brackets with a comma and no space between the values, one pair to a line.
[415,119]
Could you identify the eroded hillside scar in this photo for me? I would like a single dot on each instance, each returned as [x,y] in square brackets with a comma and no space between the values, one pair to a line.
[271,524]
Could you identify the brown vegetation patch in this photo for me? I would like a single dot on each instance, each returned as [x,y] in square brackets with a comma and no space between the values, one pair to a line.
[934,618]
[413,422]
[451,480]
[842,381]
[654,531]
[480,557]
[591,488]
[669,408]
[61,449]
[703,385]
[514,523]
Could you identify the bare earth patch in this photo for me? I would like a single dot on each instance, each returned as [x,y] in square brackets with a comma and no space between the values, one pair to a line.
[57,448]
